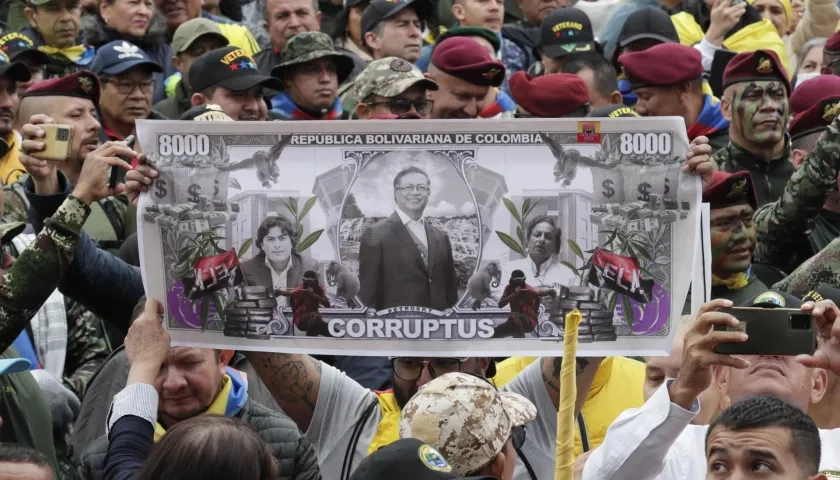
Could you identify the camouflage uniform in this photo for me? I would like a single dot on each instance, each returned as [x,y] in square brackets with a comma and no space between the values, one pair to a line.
[38,270]
[782,227]
[769,176]
[821,269]
[465,417]
[388,77]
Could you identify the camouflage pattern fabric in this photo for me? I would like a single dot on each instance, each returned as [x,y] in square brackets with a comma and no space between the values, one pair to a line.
[782,226]
[16,207]
[769,176]
[38,270]
[821,269]
[465,417]
[308,46]
[389,77]
[87,346]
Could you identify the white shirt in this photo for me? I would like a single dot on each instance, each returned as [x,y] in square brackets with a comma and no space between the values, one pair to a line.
[279,279]
[657,441]
[417,227]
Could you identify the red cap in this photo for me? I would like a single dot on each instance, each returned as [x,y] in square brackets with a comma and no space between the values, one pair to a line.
[832,45]
[662,65]
[815,118]
[465,58]
[757,66]
[549,96]
[728,189]
[812,91]
[83,84]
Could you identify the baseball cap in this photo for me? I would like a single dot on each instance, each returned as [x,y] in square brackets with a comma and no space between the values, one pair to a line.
[413,459]
[231,68]
[465,417]
[565,31]
[379,10]
[613,111]
[774,299]
[14,365]
[118,56]
[648,23]
[206,112]
[823,292]
[15,70]
[16,44]
[193,29]
[389,77]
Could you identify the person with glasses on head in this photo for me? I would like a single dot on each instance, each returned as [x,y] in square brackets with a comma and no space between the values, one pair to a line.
[128,83]
[477,428]
[392,85]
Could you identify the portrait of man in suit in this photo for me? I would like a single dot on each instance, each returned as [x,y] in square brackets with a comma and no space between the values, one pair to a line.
[277,265]
[403,260]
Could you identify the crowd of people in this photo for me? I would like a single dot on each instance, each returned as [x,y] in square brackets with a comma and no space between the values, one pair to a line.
[90,387]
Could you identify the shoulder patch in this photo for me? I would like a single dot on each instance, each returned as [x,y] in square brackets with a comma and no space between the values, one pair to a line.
[433,459]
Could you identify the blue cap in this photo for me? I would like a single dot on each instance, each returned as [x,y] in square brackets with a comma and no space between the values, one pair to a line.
[14,365]
[118,56]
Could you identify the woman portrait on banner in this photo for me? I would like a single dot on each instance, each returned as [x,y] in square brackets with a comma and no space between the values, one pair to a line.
[542,266]
[278,266]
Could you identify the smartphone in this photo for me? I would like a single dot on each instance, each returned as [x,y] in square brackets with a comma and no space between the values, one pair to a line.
[59,142]
[770,331]
[115,171]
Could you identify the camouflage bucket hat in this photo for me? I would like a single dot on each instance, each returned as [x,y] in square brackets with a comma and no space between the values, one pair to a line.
[389,77]
[8,231]
[465,417]
[307,46]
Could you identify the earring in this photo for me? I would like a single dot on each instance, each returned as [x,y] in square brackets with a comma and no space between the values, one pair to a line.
[105,20]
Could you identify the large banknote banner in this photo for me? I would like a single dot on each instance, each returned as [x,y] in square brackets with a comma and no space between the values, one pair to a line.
[419,237]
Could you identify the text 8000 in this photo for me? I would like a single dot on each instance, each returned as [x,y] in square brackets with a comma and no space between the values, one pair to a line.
[645,143]
[183,145]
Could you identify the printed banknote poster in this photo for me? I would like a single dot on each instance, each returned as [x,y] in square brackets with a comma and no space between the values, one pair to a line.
[419,237]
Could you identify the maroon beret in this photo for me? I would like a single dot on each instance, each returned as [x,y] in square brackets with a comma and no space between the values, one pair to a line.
[815,118]
[465,58]
[811,91]
[728,189]
[832,45]
[756,66]
[549,96]
[83,84]
[662,65]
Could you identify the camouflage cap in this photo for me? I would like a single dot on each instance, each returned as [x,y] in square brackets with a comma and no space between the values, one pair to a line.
[465,417]
[308,46]
[389,77]
[10,230]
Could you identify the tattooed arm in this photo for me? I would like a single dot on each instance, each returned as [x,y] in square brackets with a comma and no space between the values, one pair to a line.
[585,369]
[294,382]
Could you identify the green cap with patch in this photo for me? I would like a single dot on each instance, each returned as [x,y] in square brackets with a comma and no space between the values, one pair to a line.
[10,230]
[188,32]
[389,77]
[308,46]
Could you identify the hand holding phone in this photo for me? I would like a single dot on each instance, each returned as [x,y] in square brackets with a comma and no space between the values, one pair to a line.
[58,142]
[770,331]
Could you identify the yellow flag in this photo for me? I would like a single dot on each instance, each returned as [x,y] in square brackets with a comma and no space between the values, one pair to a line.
[565,449]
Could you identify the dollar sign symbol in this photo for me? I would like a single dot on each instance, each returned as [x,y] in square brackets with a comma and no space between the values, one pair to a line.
[216,188]
[608,190]
[160,188]
[667,188]
[194,190]
[643,190]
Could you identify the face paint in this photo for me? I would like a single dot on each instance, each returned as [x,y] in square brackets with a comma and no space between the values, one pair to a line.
[732,236]
[760,115]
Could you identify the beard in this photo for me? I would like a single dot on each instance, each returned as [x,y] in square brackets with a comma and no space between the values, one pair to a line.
[400,395]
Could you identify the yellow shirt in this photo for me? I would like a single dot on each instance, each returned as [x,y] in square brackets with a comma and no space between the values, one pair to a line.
[10,166]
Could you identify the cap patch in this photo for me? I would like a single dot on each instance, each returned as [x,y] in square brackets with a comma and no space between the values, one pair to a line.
[770,297]
[127,50]
[765,66]
[737,189]
[20,39]
[85,84]
[571,29]
[400,65]
[433,460]
[623,111]
[830,109]
[491,74]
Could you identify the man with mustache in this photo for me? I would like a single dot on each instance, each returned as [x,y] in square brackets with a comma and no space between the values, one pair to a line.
[311,70]
[54,28]
[756,102]
[228,77]
[391,29]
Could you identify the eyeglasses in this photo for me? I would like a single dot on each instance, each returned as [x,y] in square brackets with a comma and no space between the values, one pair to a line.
[126,88]
[398,106]
[406,189]
[410,369]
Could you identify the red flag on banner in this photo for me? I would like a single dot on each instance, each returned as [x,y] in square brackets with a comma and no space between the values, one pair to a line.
[620,274]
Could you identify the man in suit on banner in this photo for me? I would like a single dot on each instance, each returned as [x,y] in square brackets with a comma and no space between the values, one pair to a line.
[403,260]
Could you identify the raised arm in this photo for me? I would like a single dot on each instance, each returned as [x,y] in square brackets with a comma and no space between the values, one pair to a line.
[293,380]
